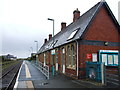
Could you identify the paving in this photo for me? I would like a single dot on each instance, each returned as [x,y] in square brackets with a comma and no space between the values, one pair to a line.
[31,77]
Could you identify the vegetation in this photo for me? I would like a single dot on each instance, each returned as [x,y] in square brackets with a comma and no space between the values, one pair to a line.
[6,64]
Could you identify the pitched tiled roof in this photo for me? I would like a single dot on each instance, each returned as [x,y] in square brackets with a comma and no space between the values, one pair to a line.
[81,25]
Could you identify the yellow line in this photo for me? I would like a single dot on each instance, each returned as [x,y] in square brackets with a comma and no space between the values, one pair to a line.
[27,71]
[30,85]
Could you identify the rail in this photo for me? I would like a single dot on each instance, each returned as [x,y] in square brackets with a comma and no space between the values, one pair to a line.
[9,77]
[43,68]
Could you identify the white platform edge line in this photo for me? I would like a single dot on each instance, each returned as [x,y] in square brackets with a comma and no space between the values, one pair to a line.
[16,84]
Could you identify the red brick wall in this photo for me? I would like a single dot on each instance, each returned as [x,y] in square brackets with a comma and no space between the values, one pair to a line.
[89,49]
[103,28]
[40,56]
[71,72]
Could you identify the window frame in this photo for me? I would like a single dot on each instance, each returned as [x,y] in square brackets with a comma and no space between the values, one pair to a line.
[109,52]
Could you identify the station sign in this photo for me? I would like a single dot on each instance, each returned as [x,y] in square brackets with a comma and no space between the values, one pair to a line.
[53,52]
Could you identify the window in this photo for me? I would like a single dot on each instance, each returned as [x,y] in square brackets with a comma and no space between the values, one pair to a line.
[55,42]
[63,56]
[73,56]
[47,62]
[104,58]
[71,61]
[56,55]
[72,34]
[68,56]
[52,44]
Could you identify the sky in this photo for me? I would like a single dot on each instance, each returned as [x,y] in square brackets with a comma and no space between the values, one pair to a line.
[24,21]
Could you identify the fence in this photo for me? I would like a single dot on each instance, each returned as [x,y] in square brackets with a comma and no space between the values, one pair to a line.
[112,75]
[43,68]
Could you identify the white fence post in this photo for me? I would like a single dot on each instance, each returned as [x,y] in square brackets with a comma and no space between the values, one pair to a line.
[43,69]
[103,73]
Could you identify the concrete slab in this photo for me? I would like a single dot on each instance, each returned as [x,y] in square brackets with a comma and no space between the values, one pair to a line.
[37,80]
[27,74]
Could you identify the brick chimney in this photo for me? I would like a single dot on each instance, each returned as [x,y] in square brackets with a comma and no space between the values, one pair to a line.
[63,25]
[76,15]
[45,40]
[50,36]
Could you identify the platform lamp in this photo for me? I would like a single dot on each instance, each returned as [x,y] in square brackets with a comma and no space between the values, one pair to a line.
[53,68]
[36,50]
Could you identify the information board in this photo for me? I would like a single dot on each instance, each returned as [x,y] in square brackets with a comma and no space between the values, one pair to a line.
[110,59]
[94,57]
[104,58]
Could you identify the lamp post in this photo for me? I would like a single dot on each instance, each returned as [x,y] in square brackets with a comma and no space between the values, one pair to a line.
[53,68]
[31,49]
[36,50]
[36,46]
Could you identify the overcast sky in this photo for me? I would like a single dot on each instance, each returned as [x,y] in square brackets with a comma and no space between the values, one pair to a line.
[23,21]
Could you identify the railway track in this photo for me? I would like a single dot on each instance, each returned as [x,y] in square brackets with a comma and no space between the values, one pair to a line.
[8,78]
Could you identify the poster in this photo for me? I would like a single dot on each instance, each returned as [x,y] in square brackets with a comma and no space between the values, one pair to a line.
[110,59]
[116,59]
[104,58]
[94,57]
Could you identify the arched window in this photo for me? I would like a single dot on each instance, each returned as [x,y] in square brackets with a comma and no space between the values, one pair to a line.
[56,55]
[47,62]
[63,55]
[68,56]
[73,55]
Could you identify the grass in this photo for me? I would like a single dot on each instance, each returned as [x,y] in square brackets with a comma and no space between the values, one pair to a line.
[6,64]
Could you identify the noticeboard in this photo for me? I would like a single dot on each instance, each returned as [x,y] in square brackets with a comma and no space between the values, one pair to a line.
[110,57]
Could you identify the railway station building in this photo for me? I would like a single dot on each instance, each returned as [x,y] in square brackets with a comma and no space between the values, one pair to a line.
[93,36]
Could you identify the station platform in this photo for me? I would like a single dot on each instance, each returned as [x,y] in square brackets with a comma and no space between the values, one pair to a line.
[27,74]
[31,77]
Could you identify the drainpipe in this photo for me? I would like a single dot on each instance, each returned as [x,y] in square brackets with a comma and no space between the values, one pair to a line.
[77,57]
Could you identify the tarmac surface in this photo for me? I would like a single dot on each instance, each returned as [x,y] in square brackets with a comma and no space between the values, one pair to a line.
[31,77]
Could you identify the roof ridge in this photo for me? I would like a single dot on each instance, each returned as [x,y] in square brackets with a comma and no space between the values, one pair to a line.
[91,12]
[73,22]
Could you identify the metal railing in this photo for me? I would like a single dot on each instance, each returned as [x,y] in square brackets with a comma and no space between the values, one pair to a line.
[43,68]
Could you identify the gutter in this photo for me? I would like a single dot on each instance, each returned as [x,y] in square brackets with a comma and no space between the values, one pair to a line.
[77,57]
